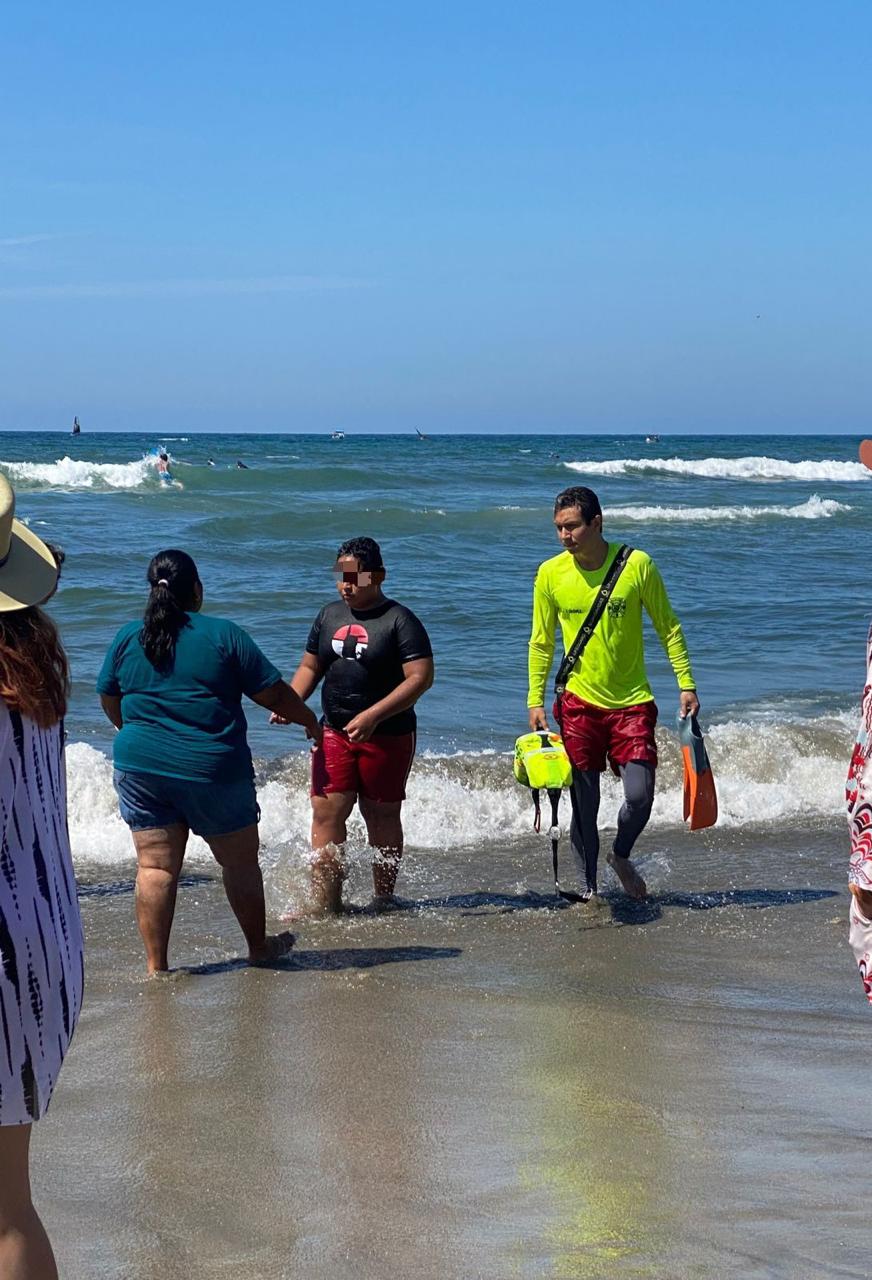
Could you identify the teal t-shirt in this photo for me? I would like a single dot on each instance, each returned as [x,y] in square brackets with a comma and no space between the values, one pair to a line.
[186,722]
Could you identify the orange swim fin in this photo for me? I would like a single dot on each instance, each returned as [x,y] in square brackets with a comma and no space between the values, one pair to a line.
[700,796]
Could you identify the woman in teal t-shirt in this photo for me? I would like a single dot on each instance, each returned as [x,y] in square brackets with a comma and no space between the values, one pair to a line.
[173,686]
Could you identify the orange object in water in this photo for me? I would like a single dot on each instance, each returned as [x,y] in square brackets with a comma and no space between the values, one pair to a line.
[700,796]
[865,452]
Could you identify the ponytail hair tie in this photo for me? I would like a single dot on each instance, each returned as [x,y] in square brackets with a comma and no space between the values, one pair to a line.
[162,582]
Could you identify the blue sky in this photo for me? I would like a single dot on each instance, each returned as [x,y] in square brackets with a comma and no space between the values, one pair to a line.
[488,216]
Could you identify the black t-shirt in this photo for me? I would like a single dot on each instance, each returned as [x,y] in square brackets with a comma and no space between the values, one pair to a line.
[362,653]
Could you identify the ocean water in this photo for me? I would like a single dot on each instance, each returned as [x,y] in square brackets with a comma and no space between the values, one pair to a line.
[754,536]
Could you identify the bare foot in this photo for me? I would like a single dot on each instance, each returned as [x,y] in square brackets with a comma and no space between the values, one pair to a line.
[633,884]
[274,947]
[312,910]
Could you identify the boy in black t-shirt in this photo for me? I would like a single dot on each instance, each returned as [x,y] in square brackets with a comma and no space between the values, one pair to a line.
[375,659]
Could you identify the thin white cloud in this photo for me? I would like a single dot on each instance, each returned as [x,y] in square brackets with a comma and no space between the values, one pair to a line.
[17,242]
[182,288]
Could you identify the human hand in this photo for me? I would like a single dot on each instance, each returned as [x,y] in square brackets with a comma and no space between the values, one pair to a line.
[362,727]
[538,720]
[688,703]
[275,718]
[314,730]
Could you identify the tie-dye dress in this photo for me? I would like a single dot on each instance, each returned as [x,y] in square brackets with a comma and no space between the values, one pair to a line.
[41,969]
[858,793]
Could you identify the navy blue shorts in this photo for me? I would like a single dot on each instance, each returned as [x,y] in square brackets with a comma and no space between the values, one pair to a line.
[148,800]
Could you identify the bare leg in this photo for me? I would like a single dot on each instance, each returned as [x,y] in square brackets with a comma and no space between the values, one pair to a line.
[236,854]
[159,855]
[25,1251]
[384,829]
[329,831]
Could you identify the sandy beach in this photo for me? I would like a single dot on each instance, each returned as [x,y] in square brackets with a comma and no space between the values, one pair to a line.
[483,1085]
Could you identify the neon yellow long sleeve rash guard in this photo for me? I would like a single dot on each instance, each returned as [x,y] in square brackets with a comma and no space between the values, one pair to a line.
[611,672]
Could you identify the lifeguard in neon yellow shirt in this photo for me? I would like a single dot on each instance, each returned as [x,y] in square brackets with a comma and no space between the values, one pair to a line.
[608,712]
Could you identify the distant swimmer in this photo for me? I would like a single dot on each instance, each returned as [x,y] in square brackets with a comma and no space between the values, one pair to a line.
[604,705]
[241,466]
[210,462]
[162,466]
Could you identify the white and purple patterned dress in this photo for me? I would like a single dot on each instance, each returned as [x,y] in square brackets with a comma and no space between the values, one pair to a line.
[41,954]
[858,794]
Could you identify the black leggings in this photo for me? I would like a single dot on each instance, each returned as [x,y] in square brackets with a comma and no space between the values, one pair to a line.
[638,780]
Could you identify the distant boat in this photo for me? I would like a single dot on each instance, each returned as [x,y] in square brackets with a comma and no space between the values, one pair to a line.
[652,439]
[337,435]
[77,430]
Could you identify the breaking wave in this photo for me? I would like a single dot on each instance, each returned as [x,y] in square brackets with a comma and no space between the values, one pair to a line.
[760,468]
[75,473]
[767,773]
[815,508]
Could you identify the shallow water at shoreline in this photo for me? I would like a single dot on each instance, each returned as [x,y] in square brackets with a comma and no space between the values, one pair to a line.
[482,1085]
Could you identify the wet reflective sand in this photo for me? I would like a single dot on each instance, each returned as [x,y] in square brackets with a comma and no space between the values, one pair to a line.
[482,1086]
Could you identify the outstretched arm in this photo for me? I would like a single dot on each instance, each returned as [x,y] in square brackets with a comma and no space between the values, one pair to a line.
[304,682]
[281,699]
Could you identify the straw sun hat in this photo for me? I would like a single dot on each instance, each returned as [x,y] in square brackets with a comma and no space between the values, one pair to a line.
[28,571]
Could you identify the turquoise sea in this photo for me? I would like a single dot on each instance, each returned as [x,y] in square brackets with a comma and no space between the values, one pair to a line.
[518,1088]
[755,537]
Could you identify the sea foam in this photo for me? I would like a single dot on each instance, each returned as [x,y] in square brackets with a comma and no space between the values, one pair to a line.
[75,473]
[752,468]
[767,773]
[815,508]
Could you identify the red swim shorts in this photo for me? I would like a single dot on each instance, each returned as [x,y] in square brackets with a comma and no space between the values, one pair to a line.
[596,735]
[377,769]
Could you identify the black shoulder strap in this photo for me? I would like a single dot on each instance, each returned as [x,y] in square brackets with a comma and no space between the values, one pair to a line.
[588,627]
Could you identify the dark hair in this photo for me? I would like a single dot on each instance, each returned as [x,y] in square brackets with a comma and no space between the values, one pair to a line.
[173,578]
[34,675]
[579,496]
[59,555]
[366,551]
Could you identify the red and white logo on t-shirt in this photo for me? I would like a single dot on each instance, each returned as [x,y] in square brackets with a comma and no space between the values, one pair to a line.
[350,641]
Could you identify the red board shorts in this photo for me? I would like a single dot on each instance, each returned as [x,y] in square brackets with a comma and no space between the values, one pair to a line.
[377,769]
[596,735]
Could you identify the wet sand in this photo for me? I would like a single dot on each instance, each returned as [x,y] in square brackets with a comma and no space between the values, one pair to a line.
[483,1086]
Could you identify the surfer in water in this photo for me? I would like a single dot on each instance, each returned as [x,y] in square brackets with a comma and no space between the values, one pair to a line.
[241,466]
